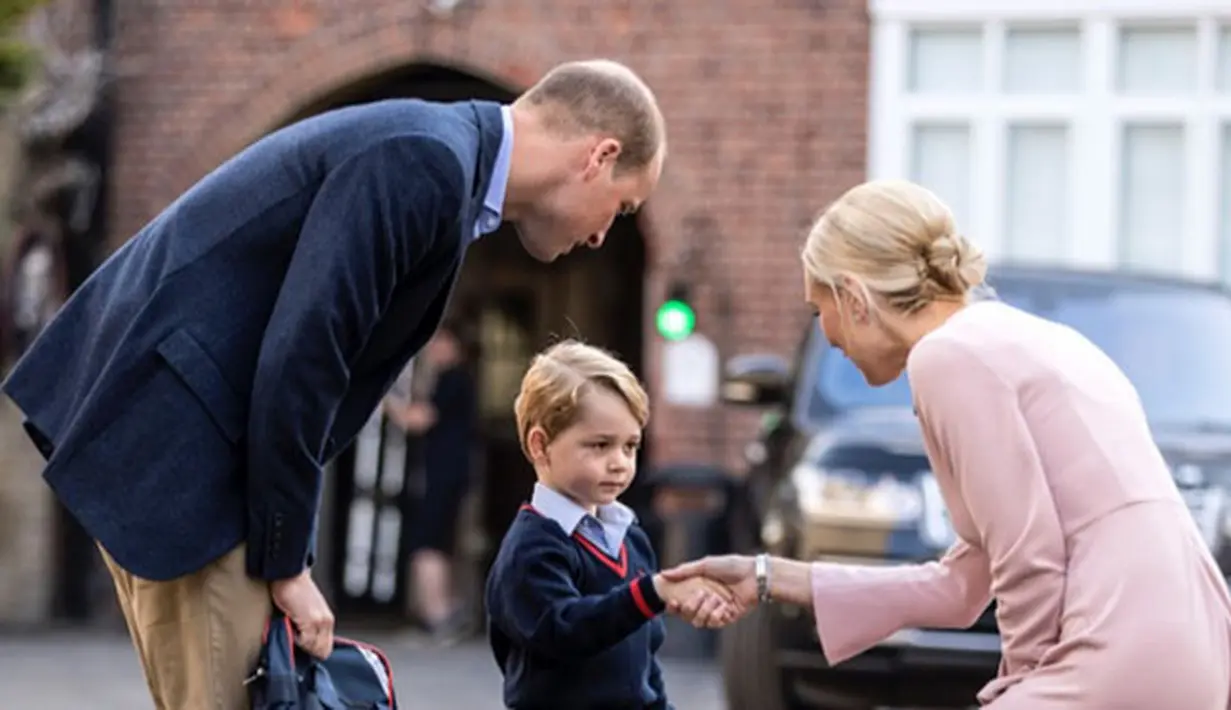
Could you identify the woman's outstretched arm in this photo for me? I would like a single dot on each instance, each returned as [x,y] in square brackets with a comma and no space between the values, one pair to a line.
[856,606]
[790,581]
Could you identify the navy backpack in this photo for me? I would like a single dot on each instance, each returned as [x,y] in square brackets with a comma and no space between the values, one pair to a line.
[356,676]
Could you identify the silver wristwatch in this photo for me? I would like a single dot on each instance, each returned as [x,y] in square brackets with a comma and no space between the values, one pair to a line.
[762,575]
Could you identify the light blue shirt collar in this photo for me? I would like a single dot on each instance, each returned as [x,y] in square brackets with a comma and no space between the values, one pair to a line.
[492,212]
[616,517]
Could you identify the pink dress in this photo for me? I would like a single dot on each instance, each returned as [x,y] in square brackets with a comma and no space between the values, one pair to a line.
[1107,596]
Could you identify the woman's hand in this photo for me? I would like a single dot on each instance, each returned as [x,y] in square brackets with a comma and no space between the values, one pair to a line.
[709,601]
[735,572]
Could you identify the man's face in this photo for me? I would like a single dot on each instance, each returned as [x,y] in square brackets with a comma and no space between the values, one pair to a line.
[580,210]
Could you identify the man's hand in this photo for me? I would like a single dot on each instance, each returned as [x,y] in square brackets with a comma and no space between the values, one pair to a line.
[708,600]
[301,601]
[735,572]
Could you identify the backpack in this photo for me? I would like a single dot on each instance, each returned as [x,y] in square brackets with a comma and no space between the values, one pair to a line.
[356,676]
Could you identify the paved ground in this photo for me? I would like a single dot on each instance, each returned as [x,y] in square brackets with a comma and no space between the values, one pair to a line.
[98,671]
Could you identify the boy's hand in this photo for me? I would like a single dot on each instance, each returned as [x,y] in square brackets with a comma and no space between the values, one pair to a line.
[700,593]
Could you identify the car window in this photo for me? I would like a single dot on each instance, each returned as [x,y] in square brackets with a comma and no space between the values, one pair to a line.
[1171,342]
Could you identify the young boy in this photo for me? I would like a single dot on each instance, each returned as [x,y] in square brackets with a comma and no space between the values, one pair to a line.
[573,597]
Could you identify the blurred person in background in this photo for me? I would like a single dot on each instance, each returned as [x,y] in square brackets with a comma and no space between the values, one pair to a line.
[1066,514]
[36,285]
[446,427]
[188,394]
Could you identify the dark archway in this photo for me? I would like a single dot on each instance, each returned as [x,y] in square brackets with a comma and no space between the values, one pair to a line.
[421,81]
[513,306]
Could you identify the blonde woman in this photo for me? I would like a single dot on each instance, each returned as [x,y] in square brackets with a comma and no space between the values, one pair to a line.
[1107,598]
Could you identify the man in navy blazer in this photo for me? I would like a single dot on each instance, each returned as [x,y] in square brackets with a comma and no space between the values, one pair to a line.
[189,393]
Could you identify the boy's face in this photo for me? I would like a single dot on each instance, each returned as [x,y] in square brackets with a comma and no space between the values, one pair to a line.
[594,460]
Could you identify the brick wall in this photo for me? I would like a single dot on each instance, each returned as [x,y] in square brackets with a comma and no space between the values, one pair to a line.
[766,104]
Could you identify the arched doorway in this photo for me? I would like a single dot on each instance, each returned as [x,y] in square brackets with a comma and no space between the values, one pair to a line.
[513,306]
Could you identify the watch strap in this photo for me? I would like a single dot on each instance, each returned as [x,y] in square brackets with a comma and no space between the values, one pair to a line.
[762,576]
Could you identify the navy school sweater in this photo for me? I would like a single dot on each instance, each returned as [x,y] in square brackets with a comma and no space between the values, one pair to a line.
[570,627]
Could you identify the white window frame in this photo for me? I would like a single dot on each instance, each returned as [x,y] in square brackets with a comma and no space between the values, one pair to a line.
[1096,116]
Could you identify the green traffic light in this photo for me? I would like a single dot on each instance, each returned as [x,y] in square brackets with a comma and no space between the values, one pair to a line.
[675,320]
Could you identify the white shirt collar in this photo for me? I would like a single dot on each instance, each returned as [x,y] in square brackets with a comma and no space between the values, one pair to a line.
[568,514]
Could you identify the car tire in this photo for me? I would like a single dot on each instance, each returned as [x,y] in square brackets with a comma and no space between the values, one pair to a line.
[751,678]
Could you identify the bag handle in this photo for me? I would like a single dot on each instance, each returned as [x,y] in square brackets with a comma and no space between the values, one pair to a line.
[283,644]
[306,669]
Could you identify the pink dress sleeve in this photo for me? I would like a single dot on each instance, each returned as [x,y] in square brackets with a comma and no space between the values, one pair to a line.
[859,606]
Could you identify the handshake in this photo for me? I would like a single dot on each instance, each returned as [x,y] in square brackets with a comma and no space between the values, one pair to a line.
[709,593]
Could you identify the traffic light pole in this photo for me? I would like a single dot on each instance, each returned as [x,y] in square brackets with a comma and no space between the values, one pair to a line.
[677,319]
[718,417]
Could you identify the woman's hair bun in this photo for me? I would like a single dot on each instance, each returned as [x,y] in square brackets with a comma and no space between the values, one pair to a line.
[955,264]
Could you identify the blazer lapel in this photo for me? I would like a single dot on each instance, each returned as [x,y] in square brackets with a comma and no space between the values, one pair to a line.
[487,118]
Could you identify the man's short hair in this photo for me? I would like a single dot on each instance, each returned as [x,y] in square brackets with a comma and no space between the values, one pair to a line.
[605,97]
[555,385]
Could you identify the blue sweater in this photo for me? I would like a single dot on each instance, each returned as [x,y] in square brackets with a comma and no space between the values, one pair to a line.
[570,627]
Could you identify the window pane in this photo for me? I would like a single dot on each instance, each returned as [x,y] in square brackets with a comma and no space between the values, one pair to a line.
[1037,203]
[1224,60]
[1043,61]
[1224,214]
[946,61]
[1152,196]
[1158,60]
[940,161]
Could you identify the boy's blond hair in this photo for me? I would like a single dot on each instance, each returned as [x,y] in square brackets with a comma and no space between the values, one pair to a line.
[558,378]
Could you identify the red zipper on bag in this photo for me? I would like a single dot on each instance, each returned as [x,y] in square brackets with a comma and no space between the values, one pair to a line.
[384,660]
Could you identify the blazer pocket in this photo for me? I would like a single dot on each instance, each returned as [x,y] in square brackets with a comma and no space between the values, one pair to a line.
[188,360]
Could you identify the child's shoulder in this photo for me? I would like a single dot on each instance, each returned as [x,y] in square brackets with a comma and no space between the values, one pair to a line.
[635,530]
[531,534]
[638,540]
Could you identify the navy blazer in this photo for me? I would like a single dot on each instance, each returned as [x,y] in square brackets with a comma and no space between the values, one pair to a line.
[188,394]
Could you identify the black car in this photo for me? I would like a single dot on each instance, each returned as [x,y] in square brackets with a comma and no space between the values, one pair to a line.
[838,472]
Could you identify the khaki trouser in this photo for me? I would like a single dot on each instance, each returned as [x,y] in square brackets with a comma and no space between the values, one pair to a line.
[198,637]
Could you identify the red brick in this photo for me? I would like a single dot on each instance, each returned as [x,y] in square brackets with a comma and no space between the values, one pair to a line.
[766,104]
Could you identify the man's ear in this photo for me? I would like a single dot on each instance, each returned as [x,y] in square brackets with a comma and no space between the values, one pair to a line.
[604,155]
[536,442]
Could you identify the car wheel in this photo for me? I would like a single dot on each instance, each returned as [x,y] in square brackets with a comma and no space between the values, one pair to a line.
[751,678]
